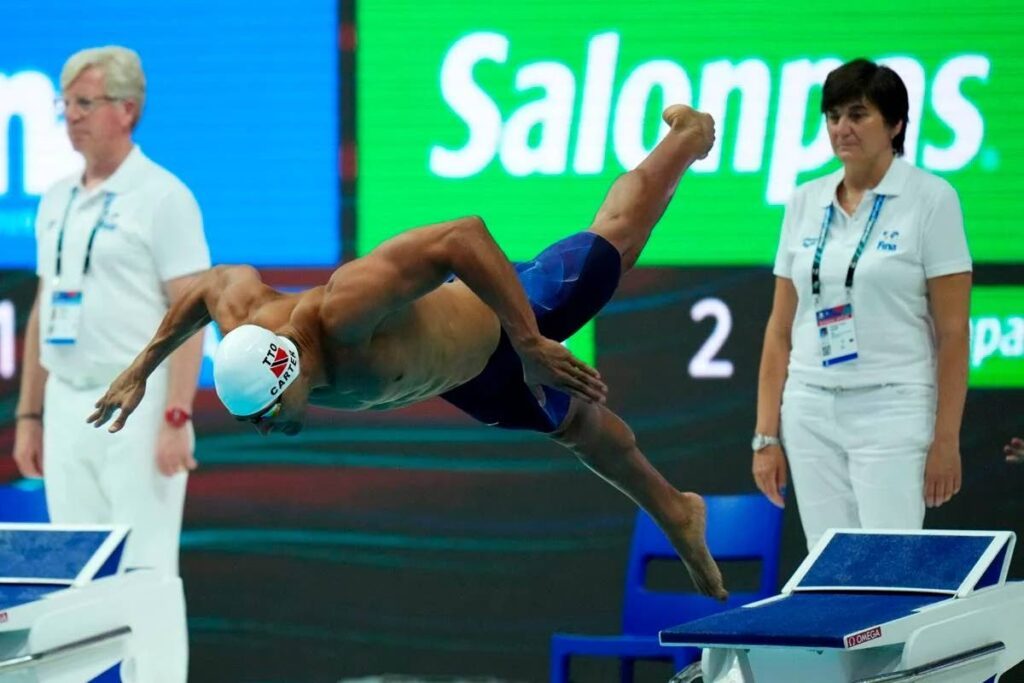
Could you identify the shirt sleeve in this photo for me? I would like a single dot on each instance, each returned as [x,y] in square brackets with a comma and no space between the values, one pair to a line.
[40,217]
[944,243]
[179,243]
[783,254]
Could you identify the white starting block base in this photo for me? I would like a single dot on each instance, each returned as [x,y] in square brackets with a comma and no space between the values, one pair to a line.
[874,607]
[68,612]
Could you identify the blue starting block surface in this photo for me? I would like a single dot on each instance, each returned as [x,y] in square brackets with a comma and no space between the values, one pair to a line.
[37,555]
[856,580]
[892,562]
[801,619]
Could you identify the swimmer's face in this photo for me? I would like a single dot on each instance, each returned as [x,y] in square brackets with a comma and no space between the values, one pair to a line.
[859,132]
[286,416]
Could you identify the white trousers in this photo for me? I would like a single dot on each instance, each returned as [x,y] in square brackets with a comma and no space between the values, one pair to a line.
[857,456]
[94,477]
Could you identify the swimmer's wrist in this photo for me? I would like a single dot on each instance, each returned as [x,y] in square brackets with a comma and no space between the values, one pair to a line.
[524,342]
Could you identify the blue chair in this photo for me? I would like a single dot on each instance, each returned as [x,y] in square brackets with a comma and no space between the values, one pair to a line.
[740,528]
[23,502]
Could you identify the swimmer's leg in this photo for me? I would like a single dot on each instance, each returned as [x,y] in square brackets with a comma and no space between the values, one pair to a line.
[605,444]
[637,200]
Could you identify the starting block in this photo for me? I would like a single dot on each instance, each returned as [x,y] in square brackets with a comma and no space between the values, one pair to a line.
[873,607]
[68,612]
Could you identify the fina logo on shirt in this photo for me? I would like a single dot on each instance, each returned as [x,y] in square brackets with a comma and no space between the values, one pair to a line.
[888,240]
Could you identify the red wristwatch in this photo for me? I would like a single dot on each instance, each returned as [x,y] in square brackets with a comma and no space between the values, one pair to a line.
[176,417]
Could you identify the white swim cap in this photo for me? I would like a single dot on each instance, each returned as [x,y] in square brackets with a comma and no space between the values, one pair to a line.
[252,367]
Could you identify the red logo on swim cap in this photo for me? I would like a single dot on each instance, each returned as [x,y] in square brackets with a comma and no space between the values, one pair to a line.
[280,362]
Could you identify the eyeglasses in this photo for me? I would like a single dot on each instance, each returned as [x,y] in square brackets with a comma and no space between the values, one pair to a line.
[86,105]
[269,413]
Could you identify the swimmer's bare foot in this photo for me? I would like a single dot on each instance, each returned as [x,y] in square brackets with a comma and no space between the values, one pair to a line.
[698,125]
[686,533]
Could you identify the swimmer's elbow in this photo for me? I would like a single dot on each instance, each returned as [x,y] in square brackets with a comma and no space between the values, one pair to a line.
[469,227]
[474,223]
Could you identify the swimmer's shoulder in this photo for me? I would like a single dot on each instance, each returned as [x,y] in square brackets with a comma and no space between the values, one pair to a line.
[226,275]
[234,294]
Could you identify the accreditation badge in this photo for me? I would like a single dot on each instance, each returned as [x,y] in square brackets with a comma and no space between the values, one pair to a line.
[65,317]
[836,335]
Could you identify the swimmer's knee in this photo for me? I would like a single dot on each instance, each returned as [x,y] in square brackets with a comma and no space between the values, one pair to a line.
[590,425]
[573,427]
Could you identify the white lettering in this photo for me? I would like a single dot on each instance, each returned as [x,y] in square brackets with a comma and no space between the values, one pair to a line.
[552,114]
[789,154]
[7,365]
[962,117]
[471,104]
[753,81]
[991,336]
[912,74]
[985,340]
[799,145]
[46,151]
[628,136]
[1012,345]
[602,57]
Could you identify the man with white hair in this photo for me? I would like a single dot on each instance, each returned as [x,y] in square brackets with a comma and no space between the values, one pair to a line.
[117,245]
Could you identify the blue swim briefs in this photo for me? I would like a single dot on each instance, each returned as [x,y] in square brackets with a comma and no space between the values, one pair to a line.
[567,284]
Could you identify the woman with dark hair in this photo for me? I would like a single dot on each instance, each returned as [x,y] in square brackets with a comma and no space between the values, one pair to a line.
[864,364]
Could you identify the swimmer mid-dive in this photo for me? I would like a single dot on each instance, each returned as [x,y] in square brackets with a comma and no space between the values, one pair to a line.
[440,311]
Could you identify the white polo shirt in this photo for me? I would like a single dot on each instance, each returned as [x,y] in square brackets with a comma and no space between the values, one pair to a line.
[152,232]
[919,234]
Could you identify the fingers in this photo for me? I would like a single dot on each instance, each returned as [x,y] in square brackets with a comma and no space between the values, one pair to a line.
[119,423]
[589,392]
[585,382]
[930,491]
[580,365]
[767,476]
[170,463]
[127,408]
[780,482]
[29,464]
[102,413]
[1014,451]
[939,490]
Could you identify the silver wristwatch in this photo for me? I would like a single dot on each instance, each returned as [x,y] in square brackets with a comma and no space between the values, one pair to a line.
[762,441]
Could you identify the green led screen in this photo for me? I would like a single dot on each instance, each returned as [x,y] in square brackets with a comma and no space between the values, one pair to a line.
[523,113]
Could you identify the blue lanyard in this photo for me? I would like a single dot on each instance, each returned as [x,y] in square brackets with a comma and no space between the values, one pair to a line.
[108,198]
[823,235]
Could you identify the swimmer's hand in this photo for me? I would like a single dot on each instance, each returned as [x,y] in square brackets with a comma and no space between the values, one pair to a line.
[1014,451]
[125,393]
[546,362]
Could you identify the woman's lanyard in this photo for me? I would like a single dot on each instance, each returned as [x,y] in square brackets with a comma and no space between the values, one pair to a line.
[108,198]
[823,236]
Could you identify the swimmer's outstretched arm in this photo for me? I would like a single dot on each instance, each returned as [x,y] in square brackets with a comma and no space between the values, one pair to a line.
[188,315]
[363,292]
